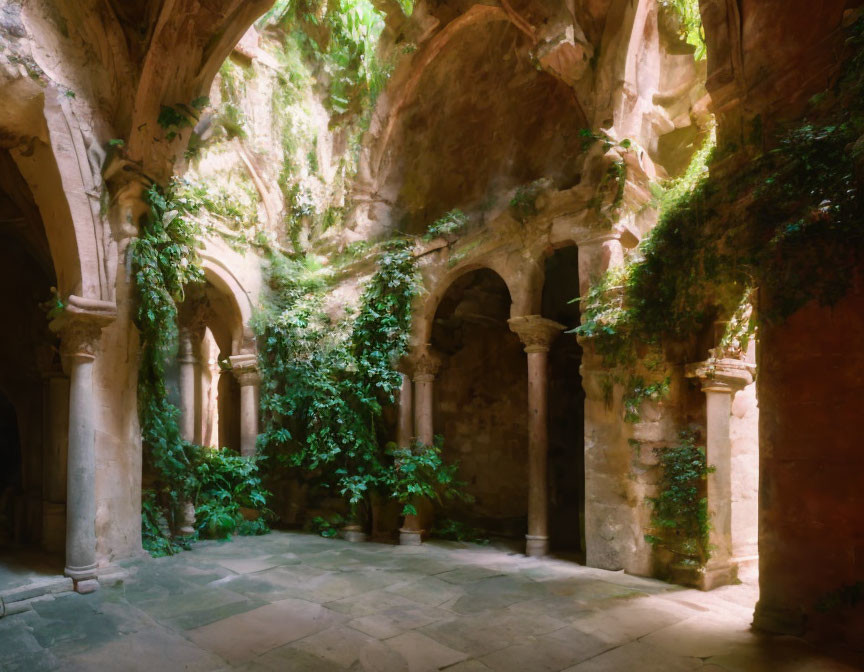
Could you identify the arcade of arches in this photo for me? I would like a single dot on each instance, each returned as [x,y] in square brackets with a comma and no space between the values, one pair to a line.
[530,156]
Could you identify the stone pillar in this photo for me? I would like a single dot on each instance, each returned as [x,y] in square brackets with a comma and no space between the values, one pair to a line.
[55,432]
[245,369]
[721,379]
[537,334]
[80,328]
[187,357]
[405,429]
[425,367]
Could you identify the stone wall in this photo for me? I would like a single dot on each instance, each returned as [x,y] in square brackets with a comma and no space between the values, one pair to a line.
[811,521]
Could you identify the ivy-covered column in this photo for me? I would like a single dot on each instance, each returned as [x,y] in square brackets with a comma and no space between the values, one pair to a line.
[425,367]
[245,369]
[537,334]
[721,379]
[80,328]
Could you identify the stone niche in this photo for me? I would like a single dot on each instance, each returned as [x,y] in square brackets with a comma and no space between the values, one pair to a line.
[481,402]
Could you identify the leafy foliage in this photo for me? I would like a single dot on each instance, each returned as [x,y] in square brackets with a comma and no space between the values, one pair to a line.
[229,483]
[448,224]
[680,510]
[164,260]
[691,30]
[342,36]
[323,384]
[419,472]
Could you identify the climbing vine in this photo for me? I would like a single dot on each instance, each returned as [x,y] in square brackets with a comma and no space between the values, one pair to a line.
[326,381]
[164,260]
[680,522]
[770,224]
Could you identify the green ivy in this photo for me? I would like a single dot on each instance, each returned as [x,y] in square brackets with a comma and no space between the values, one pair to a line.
[451,223]
[420,473]
[690,18]
[229,483]
[325,383]
[164,259]
[680,522]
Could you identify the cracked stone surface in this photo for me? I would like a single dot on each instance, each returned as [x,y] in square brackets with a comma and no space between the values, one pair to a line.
[291,601]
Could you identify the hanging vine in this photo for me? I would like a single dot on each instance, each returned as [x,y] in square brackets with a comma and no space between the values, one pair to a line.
[164,259]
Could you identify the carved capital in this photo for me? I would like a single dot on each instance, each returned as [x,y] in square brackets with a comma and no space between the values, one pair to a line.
[80,327]
[425,365]
[722,375]
[245,368]
[536,332]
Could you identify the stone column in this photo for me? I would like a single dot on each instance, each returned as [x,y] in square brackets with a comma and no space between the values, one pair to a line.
[80,327]
[405,429]
[55,432]
[187,357]
[425,368]
[721,379]
[537,334]
[245,369]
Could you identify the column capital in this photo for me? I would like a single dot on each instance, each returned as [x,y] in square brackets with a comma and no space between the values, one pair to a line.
[80,326]
[722,375]
[535,332]
[425,365]
[245,368]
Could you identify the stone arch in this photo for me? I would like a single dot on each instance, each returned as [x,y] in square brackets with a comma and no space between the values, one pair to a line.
[57,169]
[226,283]
[424,313]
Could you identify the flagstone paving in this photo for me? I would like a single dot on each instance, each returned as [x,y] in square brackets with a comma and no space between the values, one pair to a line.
[299,603]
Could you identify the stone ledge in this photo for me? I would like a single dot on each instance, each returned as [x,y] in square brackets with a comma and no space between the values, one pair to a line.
[58,584]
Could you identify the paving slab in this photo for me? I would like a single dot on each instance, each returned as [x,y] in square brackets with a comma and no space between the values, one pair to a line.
[297,602]
[245,636]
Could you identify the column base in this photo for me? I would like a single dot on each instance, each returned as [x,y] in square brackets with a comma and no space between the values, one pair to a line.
[81,573]
[86,586]
[410,537]
[536,546]
[778,620]
[353,533]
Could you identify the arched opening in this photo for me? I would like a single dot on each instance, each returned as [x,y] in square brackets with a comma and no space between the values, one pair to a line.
[481,401]
[208,392]
[566,406]
[34,401]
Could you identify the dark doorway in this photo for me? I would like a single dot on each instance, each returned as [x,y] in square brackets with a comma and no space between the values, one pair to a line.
[566,406]
[481,403]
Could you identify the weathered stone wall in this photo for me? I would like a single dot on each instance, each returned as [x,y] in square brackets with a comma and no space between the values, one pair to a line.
[811,522]
[481,410]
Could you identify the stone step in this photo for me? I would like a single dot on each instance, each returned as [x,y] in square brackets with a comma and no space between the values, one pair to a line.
[18,599]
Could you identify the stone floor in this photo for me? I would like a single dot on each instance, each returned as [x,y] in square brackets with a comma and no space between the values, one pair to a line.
[300,603]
